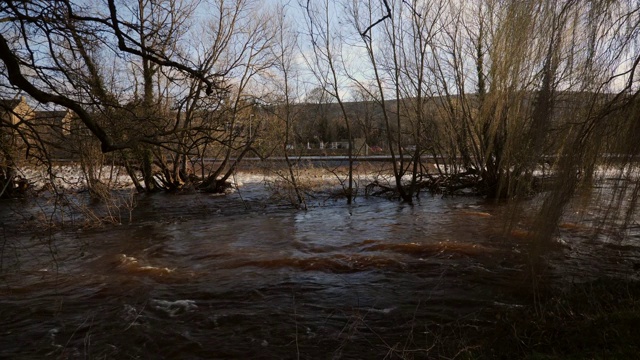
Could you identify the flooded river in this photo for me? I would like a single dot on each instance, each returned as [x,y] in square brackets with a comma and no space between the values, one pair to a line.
[200,277]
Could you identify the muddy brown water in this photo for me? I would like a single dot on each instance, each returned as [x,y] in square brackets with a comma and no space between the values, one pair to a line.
[209,277]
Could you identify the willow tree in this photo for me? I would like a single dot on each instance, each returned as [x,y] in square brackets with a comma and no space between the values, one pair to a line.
[516,87]
[600,128]
[543,85]
[503,111]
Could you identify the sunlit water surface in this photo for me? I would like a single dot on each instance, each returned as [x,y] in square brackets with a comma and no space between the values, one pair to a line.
[200,276]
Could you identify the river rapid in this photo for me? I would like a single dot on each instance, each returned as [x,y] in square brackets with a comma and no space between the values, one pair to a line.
[196,276]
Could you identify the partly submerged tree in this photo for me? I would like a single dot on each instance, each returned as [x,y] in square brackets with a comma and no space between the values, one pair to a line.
[507,93]
[285,83]
[137,81]
[397,38]
[326,65]
[35,34]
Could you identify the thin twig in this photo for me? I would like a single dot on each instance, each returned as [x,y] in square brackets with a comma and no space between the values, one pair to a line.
[387,16]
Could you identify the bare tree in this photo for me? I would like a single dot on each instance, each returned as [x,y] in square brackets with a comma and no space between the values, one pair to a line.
[247,57]
[398,46]
[134,81]
[34,33]
[286,87]
[326,66]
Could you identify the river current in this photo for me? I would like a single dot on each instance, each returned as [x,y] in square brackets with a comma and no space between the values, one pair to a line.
[197,276]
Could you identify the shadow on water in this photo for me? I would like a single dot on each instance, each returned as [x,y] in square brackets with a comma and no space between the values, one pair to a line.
[198,276]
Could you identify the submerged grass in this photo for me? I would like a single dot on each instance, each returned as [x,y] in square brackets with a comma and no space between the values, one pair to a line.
[595,320]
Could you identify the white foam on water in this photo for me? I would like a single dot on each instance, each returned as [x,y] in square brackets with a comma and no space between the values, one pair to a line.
[173,308]
[131,264]
[71,176]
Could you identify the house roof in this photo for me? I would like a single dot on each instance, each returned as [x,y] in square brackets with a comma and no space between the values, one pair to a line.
[55,118]
[52,115]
